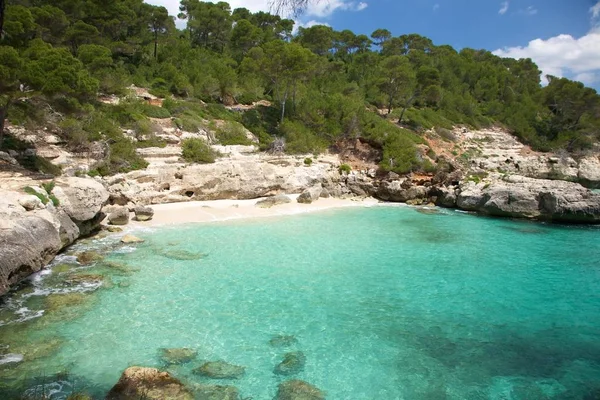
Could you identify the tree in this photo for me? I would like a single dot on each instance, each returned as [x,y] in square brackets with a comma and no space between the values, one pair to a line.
[397,82]
[10,67]
[2,8]
[380,36]
[158,24]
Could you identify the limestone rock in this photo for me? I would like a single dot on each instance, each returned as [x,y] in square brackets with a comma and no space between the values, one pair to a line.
[88,257]
[283,341]
[216,392]
[119,216]
[518,196]
[310,195]
[130,239]
[143,213]
[27,244]
[150,384]
[298,390]
[82,199]
[401,191]
[273,201]
[220,370]
[589,171]
[31,202]
[292,363]
[177,355]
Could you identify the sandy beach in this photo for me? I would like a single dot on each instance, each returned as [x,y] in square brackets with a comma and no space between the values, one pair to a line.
[223,210]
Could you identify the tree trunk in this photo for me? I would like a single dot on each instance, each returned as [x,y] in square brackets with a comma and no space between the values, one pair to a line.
[155,44]
[283,101]
[406,106]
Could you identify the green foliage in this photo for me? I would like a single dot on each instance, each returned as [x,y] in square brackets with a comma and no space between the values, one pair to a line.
[54,200]
[308,161]
[300,140]
[29,190]
[344,169]
[232,133]
[40,164]
[49,186]
[155,111]
[197,151]
[400,155]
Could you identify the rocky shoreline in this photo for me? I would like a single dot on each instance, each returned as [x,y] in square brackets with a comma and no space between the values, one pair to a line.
[39,216]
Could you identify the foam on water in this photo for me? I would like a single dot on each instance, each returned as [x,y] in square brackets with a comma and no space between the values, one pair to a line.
[385,303]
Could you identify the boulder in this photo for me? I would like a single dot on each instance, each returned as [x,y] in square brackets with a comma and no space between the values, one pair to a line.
[177,355]
[149,384]
[27,244]
[119,217]
[310,195]
[292,363]
[521,197]
[31,202]
[143,213]
[220,370]
[216,392]
[130,239]
[88,257]
[273,201]
[82,199]
[298,390]
[283,341]
[401,191]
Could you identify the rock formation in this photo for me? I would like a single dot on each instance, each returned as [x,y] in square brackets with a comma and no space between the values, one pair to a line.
[150,384]
[32,231]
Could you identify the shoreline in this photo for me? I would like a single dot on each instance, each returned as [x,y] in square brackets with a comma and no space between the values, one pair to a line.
[228,210]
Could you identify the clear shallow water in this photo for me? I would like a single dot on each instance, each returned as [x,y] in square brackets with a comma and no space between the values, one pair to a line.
[386,303]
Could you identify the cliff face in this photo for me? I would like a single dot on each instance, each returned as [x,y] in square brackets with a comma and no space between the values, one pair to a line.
[32,233]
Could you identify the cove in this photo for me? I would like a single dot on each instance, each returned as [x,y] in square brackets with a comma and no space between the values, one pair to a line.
[382,302]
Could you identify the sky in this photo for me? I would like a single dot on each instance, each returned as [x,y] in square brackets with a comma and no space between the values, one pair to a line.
[561,36]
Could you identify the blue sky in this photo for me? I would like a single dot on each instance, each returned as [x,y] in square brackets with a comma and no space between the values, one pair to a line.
[561,36]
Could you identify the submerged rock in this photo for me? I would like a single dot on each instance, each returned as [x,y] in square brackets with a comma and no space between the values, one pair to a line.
[273,201]
[143,213]
[220,370]
[88,257]
[292,363]
[130,239]
[216,392]
[182,255]
[55,302]
[114,229]
[148,384]
[177,355]
[78,279]
[283,341]
[298,390]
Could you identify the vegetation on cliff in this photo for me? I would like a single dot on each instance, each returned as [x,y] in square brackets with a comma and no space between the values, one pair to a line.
[56,56]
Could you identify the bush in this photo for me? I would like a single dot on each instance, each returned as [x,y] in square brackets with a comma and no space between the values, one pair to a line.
[155,111]
[49,186]
[197,151]
[32,191]
[232,133]
[308,161]
[300,140]
[344,168]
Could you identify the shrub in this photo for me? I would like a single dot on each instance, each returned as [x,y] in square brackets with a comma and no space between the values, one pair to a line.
[54,200]
[197,151]
[49,186]
[32,191]
[232,133]
[155,111]
[308,161]
[300,140]
[344,168]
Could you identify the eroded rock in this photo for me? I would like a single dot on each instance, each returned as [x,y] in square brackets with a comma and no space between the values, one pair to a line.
[149,384]
[292,363]
[298,390]
[220,370]
[143,213]
[177,355]
[273,201]
[119,216]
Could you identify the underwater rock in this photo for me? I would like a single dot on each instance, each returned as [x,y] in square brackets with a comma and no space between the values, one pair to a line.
[143,213]
[149,384]
[88,257]
[78,279]
[182,255]
[177,355]
[292,363]
[79,396]
[39,349]
[220,370]
[298,390]
[216,392]
[273,201]
[55,302]
[114,229]
[130,239]
[428,211]
[60,268]
[283,341]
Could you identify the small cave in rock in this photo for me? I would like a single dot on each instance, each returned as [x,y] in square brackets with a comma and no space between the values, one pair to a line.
[189,193]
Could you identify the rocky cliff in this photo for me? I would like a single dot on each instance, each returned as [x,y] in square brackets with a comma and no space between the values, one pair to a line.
[38,218]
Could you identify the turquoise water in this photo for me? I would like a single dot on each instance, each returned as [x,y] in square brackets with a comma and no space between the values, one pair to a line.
[385,303]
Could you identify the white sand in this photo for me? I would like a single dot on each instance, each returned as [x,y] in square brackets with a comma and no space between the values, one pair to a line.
[223,210]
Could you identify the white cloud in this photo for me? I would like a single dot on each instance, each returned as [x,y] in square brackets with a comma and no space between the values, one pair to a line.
[561,55]
[595,10]
[531,10]
[436,7]
[588,78]
[503,8]
[324,8]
